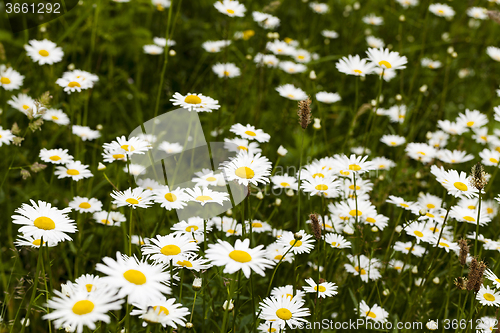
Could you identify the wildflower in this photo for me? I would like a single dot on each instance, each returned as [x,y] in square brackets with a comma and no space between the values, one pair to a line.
[386,59]
[375,313]
[161,310]
[246,168]
[283,311]
[227,70]
[488,296]
[443,10]
[85,205]
[44,51]
[195,102]
[324,289]
[249,132]
[10,79]
[137,197]
[231,8]
[74,170]
[291,92]
[354,65]
[169,248]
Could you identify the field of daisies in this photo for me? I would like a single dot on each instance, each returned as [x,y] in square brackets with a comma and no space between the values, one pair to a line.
[253,166]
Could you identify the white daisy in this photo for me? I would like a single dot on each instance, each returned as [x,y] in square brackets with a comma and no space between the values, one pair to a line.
[488,296]
[291,92]
[161,310]
[176,199]
[205,195]
[226,70]
[44,51]
[250,132]
[85,132]
[231,8]
[137,197]
[109,218]
[6,136]
[386,59]
[354,65]
[57,116]
[327,97]
[195,102]
[324,289]
[74,170]
[10,79]
[283,311]
[247,168]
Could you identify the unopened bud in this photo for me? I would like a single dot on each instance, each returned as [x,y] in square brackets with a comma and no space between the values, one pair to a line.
[172,53]
[414,270]
[197,284]
[399,97]
[282,151]
[398,229]
[312,75]
[229,212]
[423,88]
[231,306]
[289,192]
[101,167]
[297,236]
[386,292]
[402,18]
[431,325]
[436,280]
[278,202]
[259,195]
[317,124]
[418,175]
[189,326]
[348,230]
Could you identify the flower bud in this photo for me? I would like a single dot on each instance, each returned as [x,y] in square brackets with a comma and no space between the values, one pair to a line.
[436,280]
[398,229]
[348,230]
[101,167]
[172,53]
[259,195]
[414,270]
[431,325]
[278,202]
[231,306]
[312,75]
[282,151]
[197,284]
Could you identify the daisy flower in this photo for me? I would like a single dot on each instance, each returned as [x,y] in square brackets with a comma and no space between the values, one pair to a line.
[364,267]
[457,184]
[57,116]
[10,79]
[192,261]
[302,56]
[85,205]
[355,164]
[324,289]
[258,226]
[493,52]
[373,19]
[153,49]
[33,242]
[239,257]
[383,163]
[160,41]
[408,3]
[215,46]
[291,92]
[419,231]
[354,65]
[85,132]
[276,252]
[287,292]
[22,102]
[445,244]
[173,247]
[280,48]
[374,42]
[327,97]
[269,60]
[161,4]
[170,147]
[429,63]
[453,128]
[247,168]
[283,311]
[316,186]
[109,218]
[195,102]
[250,132]
[238,145]
[130,146]
[284,181]
[135,169]
[176,199]
[44,51]
[489,157]
[393,140]
[71,84]
[488,296]
[386,59]
[74,170]
[429,201]
[207,177]
[231,8]
[192,225]
[464,214]
[139,240]
[492,277]
[472,119]
[292,68]
[205,195]
[137,197]
[442,10]
[88,283]
[6,136]
[454,157]
[404,247]
[319,8]
[299,246]
[44,221]
[226,70]
[400,202]
[375,313]
[330,34]
[421,152]
[162,311]
[81,309]
[477,13]
[337,241]
[138,280]
[265,20]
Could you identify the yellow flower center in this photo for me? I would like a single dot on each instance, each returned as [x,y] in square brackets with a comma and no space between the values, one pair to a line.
[127,147]
[243,148]
[297,244]
[321,289]
[363,272]
[430,206]
[4,80]
[384,64]
[285,184]
[230,11]
[203,198]
[354,211]
[55,118]
[170,250]
[278,257]
[418,233]
[192,228]
[118,156]
[344,173]
[443,244]
[470,123]
[26,107]
[134,276]
[318,175]
[489,297]
[404,205]
[132,201]
[357,71]
[45,223]
[493,160]
[460,186]
[73,84]
[162,309]
[354,167]
[469,219]
[211,179]
[84,306]
[371,314]
[185,263]
[37,242]
[43,53]
[370,219]
[170,197]
[192,99]
[245,172]
[321,187]
[257,225]
[84,205]
[351,187]
[72,172]
[240,256]
[283,314]
[250,133]
[54,158]
[89,287]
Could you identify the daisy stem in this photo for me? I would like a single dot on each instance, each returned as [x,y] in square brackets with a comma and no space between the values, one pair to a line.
[45,281]
[131,228]
[276,165]
[253,301]
[276,268]
[298,182]
[192,308]
[35,285]
[182,282]
[477,223]
[226,311]
[237,303]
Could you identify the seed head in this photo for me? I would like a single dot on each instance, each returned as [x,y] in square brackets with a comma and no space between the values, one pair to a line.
[464,250]
[304,113]
[478,176]
[475,278]
[316,227]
